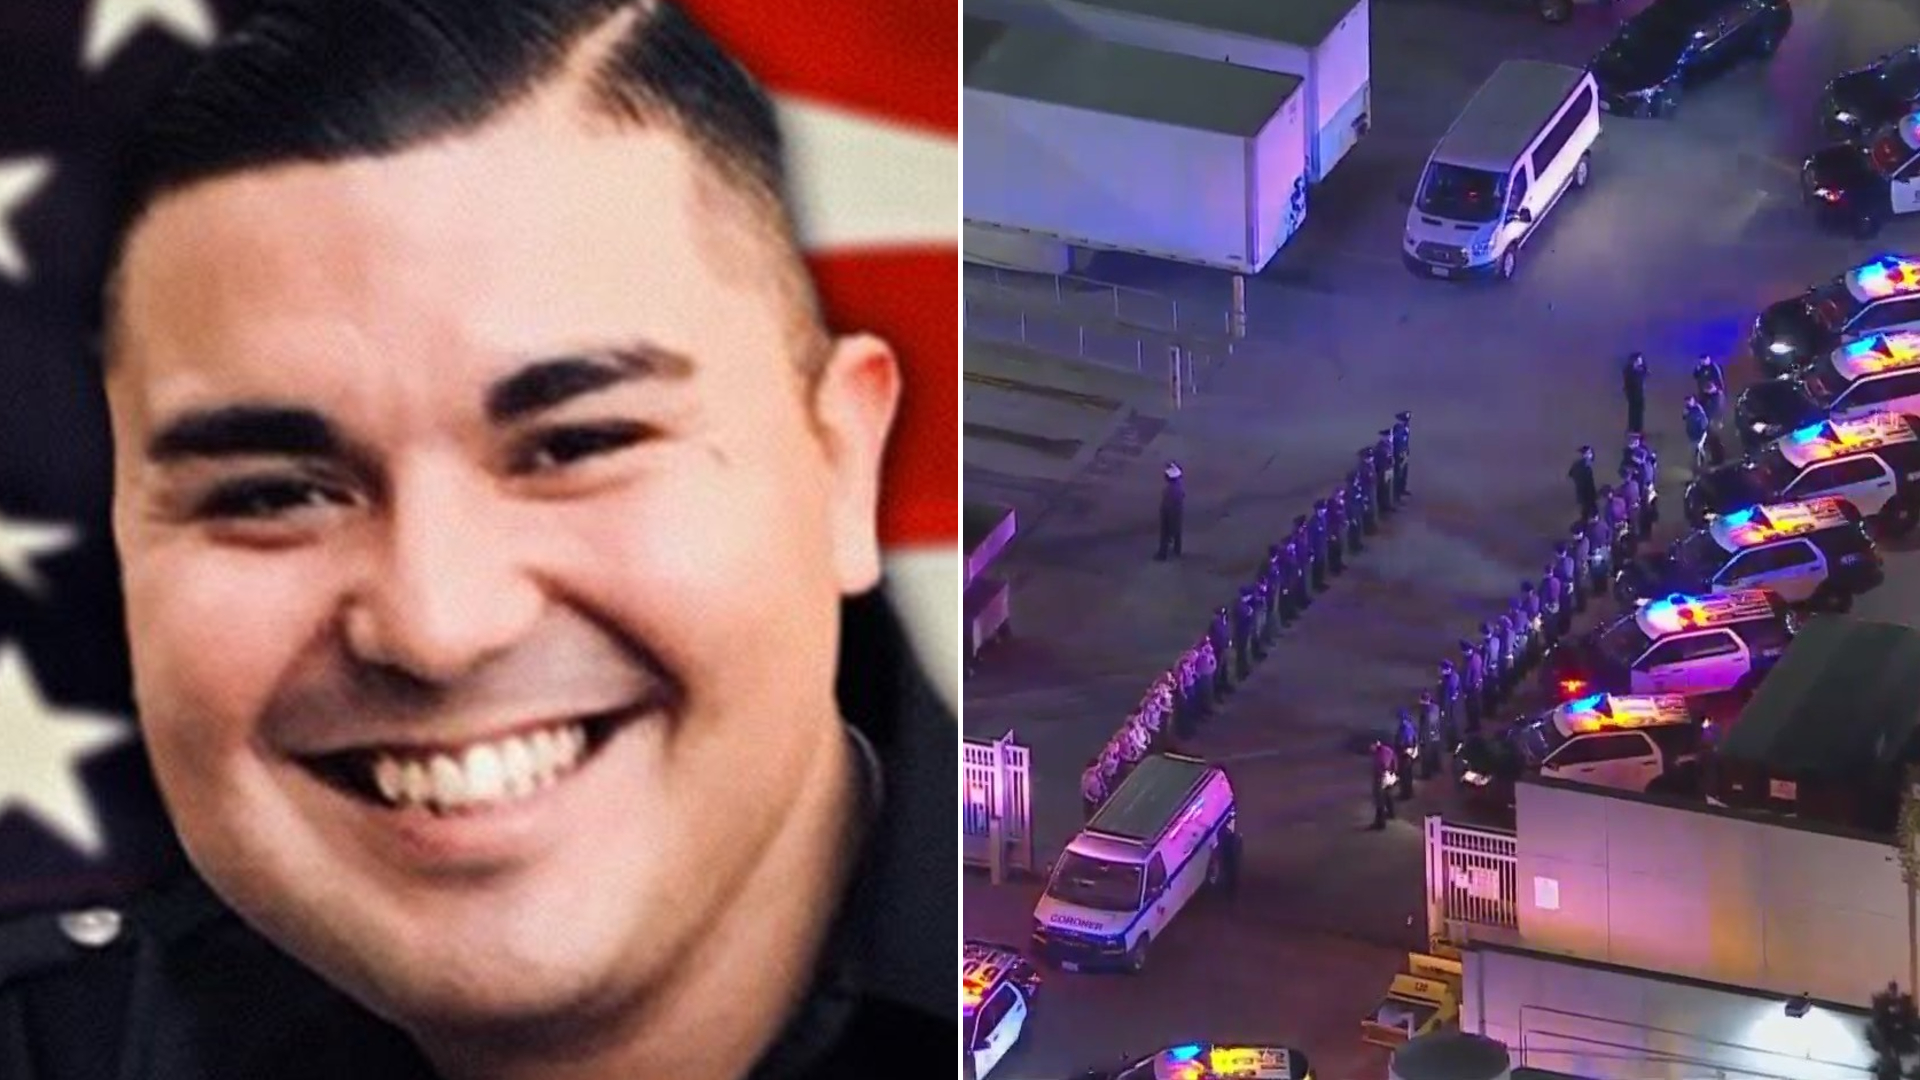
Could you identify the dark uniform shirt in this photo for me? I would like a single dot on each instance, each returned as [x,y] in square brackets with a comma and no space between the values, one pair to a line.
[175,987]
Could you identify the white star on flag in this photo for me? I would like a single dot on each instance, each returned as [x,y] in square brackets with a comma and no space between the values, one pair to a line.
[21,543]
[865,182]
[113,23]
[20,180]
[40,771]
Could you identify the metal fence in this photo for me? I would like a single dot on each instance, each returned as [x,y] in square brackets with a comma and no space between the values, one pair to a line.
[1100,300]
[1473,889]
[996,807]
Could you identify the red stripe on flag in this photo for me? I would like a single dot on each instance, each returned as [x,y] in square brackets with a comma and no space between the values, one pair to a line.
[898,59]
[908,297]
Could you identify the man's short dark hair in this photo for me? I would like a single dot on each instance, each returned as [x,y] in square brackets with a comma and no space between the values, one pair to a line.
[326,81]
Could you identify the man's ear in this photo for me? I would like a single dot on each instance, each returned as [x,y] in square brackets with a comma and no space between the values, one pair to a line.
[855,401]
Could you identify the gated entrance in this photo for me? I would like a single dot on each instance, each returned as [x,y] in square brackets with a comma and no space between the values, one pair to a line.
[1473,890]
[995,806]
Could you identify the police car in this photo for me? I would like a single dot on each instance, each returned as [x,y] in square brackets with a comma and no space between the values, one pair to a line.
[1871,460]
[1631,743]
[1859,102]
[996,989]
[1871,298]
[1691,645]
[1859,186]
[1811,552]
[1876,373]
[1212,1061]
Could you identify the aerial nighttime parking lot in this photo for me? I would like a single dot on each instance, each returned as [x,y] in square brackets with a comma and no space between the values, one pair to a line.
[1690,225]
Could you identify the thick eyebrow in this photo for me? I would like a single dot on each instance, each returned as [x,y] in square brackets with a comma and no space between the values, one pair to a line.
[247,430]
[548,384]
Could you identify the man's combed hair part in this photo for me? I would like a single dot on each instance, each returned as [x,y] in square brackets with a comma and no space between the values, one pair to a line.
[326,81]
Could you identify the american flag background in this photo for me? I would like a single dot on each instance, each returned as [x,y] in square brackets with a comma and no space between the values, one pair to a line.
[869,96]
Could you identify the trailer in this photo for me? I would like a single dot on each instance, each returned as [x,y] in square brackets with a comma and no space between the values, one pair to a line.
[1089,144]
[1325,43]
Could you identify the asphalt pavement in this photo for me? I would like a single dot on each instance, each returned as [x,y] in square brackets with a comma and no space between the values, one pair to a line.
[1688,229]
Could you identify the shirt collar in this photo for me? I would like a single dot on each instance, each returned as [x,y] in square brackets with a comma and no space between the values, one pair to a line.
[907,877]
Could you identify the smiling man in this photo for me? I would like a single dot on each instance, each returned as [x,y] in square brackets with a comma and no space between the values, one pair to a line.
[497,519]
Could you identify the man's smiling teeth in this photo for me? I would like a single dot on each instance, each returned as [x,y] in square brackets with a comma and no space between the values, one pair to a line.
[485,774]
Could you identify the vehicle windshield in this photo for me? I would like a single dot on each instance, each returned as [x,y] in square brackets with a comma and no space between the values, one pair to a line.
[1535,740]
[1831,306]
[1900,73]
[1889,152]
[1462,194]
[1764,475]
[1698,556]
[1821,387]
[1657,34]
[1623,642]
[1096,883]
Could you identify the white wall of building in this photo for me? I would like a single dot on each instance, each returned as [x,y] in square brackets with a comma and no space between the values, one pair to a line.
[1619,879]
[1610,1024]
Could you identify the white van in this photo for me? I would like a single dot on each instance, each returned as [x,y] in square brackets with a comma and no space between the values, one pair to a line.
[1523,140]
[1167,830]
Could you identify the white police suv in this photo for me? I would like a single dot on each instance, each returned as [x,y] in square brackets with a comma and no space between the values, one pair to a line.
[1626,742]
[1871,460]
[1879,373]
[996,990]
[1879,295]
[1816,551]
[1691,645]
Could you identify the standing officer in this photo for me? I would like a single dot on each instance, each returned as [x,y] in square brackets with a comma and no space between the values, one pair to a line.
[1402,446]
[1276,592]
[1317,532]
[1356,542]
[1380,769]
[1431,744]
[1599,556]
[1383,471]
[1302,542]
[1553,613]
[1093,790]
[1581,549]
[1648,459]
[1492,647]
[1220,637]
[1569,571]
[1531,606]
[1173,504]
[1581,473]
[1207,666]
[1337,532]
[1262,615]
[1427,713]
[1634,381]
[1289,570]
[1360,490]
[1448,683]
[1406,748]
[1513,639]
[1636,503]
[1710,381]
[1473,683]
[1694,417]
[1185,711]
[1243,635]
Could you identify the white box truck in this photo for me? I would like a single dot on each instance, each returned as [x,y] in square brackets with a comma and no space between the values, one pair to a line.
[1087,144]
[1327,43]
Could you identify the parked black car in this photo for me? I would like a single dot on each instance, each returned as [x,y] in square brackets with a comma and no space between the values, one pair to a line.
[1674,44]
[1859,186]
[1859,102]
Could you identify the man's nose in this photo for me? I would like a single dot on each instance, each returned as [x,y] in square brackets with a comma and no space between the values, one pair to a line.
[446,587]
